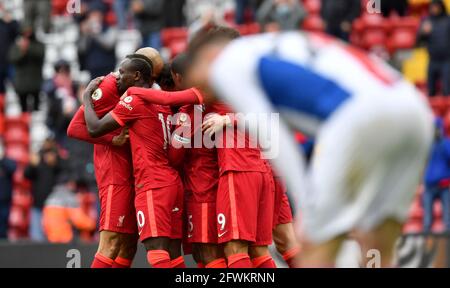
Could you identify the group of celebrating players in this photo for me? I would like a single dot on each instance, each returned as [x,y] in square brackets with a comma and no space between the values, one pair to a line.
[221,200]
[224,204]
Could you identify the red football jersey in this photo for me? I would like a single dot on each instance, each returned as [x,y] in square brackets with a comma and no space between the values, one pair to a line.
[149,130]
[201,170]
[112,164]
[238,157]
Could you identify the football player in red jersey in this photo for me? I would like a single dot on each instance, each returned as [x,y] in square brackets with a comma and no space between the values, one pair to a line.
[200,177]
[157,184]
[113,168]
[283,229]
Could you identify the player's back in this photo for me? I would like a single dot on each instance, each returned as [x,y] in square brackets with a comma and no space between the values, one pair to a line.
[201,171]
[235,150]
[112,163]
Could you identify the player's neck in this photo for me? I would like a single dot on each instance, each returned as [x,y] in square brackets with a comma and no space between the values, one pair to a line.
[142,85]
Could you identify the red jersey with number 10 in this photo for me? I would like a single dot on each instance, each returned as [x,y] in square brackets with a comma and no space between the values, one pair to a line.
[149,133]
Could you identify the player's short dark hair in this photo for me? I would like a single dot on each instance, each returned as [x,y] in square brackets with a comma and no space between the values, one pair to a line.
[142,66]
[165,79]
[209,35]
[180,63]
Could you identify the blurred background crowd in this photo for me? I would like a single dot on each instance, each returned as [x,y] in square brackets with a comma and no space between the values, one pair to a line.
[50,49]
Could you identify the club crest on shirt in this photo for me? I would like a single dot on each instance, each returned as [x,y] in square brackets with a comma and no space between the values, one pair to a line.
[182,118]
[97,94]
[128,99]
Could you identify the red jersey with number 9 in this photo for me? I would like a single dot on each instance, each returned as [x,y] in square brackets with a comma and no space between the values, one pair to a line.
[149,130]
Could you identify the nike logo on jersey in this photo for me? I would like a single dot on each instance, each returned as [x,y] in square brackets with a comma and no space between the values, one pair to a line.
[221,234]
[176,209]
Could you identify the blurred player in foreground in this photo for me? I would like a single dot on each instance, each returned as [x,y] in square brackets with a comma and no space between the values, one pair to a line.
[373,130]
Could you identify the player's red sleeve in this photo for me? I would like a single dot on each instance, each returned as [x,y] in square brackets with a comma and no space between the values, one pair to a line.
[127,109]
[178,98]
[77,129]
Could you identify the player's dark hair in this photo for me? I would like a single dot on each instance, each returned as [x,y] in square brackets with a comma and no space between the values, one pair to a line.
[180,63]
[143,57]
[165,79]
[209,35]
[143,67]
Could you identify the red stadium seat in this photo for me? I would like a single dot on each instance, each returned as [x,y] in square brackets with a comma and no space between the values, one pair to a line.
[19,218]
[249,29]
[19,179]
[401,39]
[374,21]
[403,33]
[313,23]
[229,16]
[22,199]
[15,134]
[438,105]
[21,122]
[18,153]
[173,34]
[2,103]
[176,47]
[312,6]
[372,38]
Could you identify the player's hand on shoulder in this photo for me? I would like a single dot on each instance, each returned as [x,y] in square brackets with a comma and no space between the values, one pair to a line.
[214,123]
[122,138]
[92,86]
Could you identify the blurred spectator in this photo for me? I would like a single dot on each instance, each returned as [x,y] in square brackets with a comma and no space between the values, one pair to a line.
[7,169]
[38,14]
[338,16]
[62,213]
[62,100]
[276,15]
[241,7]
[42,171]
[397,6]
[96,46]
[435,31]
[207,17]
[150,17]
[174,14]
[121,8]
[27,57]
[9,29]
[437,178]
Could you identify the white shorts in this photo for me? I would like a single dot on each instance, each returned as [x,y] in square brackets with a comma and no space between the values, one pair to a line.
[367,164]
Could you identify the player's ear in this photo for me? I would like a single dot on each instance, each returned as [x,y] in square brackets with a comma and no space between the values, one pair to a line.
[137,75]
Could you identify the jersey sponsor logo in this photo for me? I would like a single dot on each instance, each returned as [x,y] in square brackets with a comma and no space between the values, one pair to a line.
[125,104]
[221,234]
[176,209]
[98,93]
